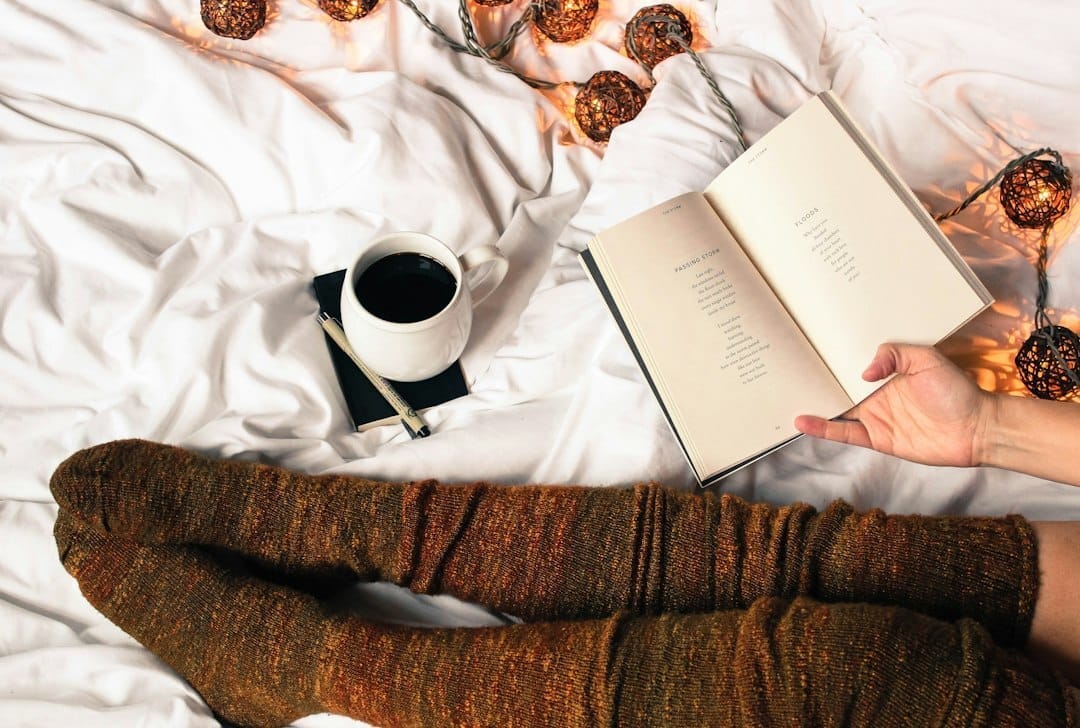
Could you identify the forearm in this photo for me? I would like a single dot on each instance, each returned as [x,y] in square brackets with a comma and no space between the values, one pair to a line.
[1033,436]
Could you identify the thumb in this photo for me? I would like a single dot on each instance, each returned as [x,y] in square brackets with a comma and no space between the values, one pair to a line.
[901,359]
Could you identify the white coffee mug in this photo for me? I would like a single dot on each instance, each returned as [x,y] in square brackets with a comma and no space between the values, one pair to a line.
[409,352]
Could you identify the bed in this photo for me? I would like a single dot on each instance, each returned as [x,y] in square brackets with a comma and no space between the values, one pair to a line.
[166,197]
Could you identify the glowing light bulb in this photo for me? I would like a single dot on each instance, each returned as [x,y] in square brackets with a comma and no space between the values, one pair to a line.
[608,99]
[1036,193]
[566,20]
[239,19]
[346,10]
[657,32]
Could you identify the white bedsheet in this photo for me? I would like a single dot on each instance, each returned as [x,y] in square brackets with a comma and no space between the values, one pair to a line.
[166,197]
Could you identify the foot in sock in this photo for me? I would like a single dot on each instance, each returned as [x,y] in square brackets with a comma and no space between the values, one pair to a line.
[262,654]
[559,552]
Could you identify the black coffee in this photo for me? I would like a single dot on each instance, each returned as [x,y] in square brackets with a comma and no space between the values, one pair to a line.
[405,287]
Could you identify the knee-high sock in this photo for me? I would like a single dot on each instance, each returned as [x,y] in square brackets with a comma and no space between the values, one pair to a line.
[265,654]
[561,552]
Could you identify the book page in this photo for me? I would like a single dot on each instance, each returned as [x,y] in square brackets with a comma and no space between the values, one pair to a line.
[840,242]
[730,367]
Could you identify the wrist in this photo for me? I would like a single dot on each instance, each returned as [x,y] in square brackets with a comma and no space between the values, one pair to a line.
[1028,435]
[1006,438]
[988,442]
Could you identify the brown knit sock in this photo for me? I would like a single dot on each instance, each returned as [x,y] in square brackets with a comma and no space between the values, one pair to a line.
[560,552]
[262,654]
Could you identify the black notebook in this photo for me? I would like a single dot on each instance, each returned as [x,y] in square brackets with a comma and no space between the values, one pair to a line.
[367,408]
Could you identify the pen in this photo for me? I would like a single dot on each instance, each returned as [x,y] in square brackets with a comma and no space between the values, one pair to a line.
[409,419]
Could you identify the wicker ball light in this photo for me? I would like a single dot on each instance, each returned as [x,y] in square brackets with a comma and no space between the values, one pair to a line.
[239,19]
[1036,193]
[655,32]
[1048,362]
[606,100]
[346,10]
[566,20]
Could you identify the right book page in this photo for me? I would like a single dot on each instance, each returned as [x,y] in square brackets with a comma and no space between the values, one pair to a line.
[842,241]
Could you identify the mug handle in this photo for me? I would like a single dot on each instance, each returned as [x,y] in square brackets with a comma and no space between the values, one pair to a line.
[473,259]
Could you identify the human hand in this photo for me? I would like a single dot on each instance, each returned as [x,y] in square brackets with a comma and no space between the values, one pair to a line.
[930,412]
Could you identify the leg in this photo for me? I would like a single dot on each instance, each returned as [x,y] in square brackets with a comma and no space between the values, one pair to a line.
[560,552]
[264,654]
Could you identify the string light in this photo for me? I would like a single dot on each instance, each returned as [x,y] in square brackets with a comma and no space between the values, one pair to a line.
[606,100]
[1036,193]
[566,20]
[656,33]
[1048,362]
[346,10]
[238,19]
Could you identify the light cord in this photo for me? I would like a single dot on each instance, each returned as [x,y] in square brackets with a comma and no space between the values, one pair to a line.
[1041,318]
[979,192]
[502,46]
[1044,330]
[674,33]
[494,51]
[1043,326]
[474,47]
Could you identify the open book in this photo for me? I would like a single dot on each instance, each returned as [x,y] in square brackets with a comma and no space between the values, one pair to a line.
[767,295]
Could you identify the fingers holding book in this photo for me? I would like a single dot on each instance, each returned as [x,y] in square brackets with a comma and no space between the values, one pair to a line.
[929,412]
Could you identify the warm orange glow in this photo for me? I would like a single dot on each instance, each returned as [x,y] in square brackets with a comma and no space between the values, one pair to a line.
[701,41]
[608,99]
[989,359]
[655,33]
[340,32]
[347,10]
[565,20]
[563,99]
[198,38]
[986,348]
[1036,193]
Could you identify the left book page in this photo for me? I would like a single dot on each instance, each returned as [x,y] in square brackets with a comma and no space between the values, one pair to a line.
[728,365]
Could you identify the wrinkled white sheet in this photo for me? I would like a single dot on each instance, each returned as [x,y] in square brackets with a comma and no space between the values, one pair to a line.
[166,197]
